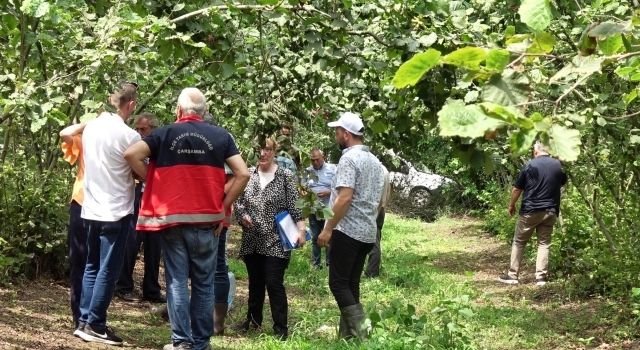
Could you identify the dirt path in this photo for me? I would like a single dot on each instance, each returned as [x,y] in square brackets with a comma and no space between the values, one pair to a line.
[527,316]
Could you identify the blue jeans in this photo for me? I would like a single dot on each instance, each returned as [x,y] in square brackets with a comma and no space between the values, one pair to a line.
[316,227]
[105,250]
[221,284]
[190,252]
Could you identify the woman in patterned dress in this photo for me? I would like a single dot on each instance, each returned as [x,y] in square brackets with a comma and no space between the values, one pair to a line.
[270,190]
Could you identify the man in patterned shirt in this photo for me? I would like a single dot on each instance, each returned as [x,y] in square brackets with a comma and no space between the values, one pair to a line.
[356,192]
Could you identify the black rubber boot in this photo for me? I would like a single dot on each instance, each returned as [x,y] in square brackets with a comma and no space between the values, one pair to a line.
[353,316]
[342,329]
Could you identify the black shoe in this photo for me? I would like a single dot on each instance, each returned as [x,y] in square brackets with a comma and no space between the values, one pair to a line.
[246,326]
[106,335]
[281,334]
[79,329]
[127,296]
[160,299]
[505,278]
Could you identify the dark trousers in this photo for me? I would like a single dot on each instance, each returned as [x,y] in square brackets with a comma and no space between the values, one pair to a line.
[221,279]
[152,254]
[267,272]
[345,268]
[316,227]
[375,256]
[77,240]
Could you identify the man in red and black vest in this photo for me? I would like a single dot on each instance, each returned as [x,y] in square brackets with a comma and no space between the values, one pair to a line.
[184,201]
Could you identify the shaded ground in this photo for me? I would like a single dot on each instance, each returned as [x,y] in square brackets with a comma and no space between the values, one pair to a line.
[35,314]
[544,314]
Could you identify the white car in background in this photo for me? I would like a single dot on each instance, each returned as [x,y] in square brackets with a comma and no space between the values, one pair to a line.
[414,187]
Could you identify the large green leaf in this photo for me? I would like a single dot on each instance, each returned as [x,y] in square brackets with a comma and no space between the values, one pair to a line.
[543,42]
[522,140]
[607,29]
[412,71]
[467,57]
[497,59]
[611,45]
[458,119]
[578,67]
[564,142]
[509,89]
[536,14]
[508,114]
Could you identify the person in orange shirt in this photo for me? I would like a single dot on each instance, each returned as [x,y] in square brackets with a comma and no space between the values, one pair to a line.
[77,237]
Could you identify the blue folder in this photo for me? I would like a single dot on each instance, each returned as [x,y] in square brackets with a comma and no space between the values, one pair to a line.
[283,223]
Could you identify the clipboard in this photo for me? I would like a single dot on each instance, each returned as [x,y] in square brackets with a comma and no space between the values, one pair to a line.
[288,231]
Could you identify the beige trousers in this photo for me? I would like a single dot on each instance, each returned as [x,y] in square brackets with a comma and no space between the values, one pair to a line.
[541,222]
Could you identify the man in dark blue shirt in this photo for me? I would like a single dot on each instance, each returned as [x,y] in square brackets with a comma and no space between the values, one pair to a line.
[540,180]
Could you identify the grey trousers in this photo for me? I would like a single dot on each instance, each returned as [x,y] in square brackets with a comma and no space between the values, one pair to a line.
[542,223]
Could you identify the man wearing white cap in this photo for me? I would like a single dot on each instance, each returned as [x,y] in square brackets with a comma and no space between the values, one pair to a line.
[355,196]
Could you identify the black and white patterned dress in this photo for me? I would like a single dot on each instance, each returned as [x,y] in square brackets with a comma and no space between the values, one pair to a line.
[262,205]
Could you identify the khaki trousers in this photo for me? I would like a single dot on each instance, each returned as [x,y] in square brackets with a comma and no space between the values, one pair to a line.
[541,222]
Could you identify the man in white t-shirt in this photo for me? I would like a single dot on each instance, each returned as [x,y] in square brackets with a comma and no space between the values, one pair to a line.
[107,210]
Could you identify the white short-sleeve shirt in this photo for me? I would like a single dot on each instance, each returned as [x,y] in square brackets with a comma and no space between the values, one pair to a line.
[108,181]
[360,170]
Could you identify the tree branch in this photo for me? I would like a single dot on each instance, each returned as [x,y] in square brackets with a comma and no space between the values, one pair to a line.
[163,84]
[578,83]
[206,10]
[596,213]
[534,102]
[306,8]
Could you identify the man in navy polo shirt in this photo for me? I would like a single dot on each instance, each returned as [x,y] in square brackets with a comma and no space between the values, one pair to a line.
[184,201]
[540,180]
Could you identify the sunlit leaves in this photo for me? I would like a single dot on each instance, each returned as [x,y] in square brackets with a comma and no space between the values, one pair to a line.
[542,42]
[522,140]
[536,14]
[509,89]
[458,119]
[467,57]
[578,67]
[414,69]
[564,142]
[507,114]
[497,59]
[607,29]
[611,45]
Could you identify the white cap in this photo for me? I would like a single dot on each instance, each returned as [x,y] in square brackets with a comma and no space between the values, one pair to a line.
[349,121]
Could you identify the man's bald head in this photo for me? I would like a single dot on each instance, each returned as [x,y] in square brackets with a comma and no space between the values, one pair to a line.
[192,101]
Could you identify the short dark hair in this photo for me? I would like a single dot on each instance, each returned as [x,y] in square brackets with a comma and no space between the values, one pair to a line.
[126,92]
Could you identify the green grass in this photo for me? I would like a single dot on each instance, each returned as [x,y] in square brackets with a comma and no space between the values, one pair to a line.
[408,278]
[425,266]
[437,290]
